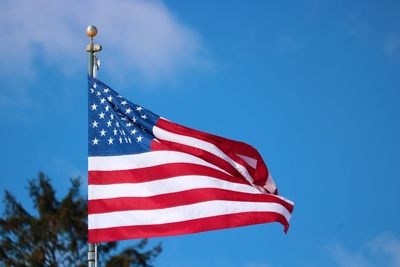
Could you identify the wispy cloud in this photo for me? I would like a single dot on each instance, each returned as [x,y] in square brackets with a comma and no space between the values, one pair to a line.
[384,250]
[256,264]
[289,43]
[391,45]
[143,36]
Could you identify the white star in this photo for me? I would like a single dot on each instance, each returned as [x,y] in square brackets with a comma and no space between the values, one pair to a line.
[112,116]
[103,100]
[107,108]
[109,123]
[139,109]
[120,96]
[117,124]
[124,119]
[94,106]
[123,132]
[133,132]
[98,93]
[110,141]
[110,98]
[139,139]
[120,140]
[95,141]
[94,85]
[91,90]
[124,102]
[101,115]
[144,116]
[94,124]
[129,110]
[134,119]
[102,133]
[128,124]
[115,131]
[106,90]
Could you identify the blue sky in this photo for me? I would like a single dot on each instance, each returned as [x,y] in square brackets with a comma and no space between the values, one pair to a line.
[314,85]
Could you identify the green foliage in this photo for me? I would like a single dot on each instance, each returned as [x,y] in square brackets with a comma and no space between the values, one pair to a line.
[57,234]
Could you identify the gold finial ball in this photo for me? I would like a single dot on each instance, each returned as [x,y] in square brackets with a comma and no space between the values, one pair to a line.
[91,31]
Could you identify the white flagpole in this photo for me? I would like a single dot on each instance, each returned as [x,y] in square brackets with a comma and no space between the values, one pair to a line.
[92,49]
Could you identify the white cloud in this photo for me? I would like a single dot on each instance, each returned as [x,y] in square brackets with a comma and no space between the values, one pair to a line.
[142,36]
[381,251]
[345,258]
[388,246]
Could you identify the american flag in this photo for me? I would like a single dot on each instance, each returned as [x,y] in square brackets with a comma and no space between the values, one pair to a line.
[151,177]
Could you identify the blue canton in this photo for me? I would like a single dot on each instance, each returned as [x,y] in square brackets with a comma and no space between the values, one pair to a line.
[116,125]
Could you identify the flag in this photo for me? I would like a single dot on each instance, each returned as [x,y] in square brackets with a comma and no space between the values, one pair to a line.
[148,176]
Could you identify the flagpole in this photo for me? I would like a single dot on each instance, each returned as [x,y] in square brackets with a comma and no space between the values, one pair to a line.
[92,49]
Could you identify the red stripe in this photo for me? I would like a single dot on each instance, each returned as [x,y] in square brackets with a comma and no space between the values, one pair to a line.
[197,152]
[157,172]
[186,227]
[239,147]
[229,147]
[178,199]
[172,127]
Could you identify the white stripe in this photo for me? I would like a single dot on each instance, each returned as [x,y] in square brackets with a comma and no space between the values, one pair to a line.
[197,143]
[143,160]
[270,184]
[165,186]
[252,162]
[181,213]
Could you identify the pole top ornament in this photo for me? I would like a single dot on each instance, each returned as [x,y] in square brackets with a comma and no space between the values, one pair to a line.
[91,31]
